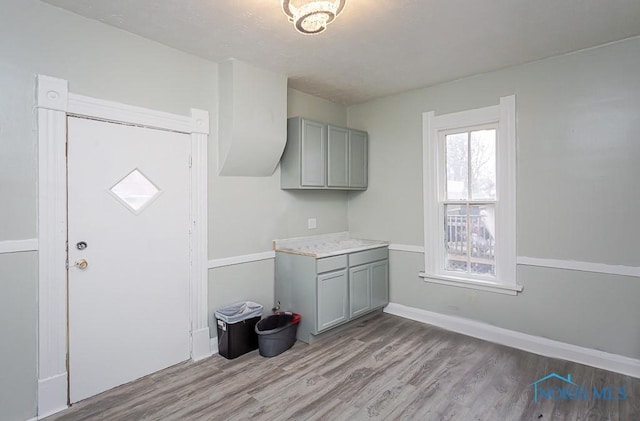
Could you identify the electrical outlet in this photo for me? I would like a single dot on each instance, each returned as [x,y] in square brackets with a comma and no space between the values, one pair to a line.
[312,223]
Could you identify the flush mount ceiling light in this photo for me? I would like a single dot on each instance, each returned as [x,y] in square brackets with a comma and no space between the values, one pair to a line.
[312,16]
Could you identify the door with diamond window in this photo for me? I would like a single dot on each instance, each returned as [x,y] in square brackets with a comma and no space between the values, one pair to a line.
[128,216]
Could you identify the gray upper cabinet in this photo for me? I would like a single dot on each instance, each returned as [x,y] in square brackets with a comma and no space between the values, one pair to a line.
[313,161]
[338,159]
[323,156]
[358,162]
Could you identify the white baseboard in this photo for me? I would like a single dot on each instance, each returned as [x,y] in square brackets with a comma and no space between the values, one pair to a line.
[535,344]
[33,419]
[201,345]
[214,345]
[237,260]
[52,395]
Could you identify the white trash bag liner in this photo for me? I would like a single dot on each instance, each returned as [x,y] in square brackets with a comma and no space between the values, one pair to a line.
[239,311]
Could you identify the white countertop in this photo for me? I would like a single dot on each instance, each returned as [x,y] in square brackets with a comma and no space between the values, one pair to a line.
[326,245]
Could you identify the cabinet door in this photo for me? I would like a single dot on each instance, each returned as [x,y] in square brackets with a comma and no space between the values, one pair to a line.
[312,154]
[333,290]
[338,157]
[379,284]
[359,290]
[358,159]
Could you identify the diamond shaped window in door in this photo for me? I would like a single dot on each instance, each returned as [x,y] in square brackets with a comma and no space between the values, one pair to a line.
[135,191]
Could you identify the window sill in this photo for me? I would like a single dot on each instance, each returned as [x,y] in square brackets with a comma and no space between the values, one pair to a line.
[471,283]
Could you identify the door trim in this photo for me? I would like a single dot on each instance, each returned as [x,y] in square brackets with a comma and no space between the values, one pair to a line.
[54,104]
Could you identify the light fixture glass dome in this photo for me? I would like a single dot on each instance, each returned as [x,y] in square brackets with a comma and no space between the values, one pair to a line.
[312,16]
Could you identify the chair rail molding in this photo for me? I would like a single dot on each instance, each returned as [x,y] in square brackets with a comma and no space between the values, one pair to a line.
[580,266]
[542,262]
[406,247]
[18,246]
[238,260]
[54,103]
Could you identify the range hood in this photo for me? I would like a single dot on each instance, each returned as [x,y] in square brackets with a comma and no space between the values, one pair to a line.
[252,125]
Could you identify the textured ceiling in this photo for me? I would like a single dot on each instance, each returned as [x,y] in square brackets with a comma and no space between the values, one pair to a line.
[376,47]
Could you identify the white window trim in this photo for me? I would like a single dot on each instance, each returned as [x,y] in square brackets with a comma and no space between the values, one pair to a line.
[505,115]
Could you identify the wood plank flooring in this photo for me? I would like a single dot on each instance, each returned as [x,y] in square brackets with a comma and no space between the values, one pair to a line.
[384,368]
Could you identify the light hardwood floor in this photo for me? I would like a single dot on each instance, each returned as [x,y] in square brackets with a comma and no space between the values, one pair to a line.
[384,368]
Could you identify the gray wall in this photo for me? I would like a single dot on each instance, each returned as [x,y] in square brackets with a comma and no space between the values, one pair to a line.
[18,351]
[577,116]
[578,125]
[100,61]
[304,105]
[261,212]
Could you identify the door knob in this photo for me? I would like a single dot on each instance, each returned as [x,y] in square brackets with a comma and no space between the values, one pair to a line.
[81,264]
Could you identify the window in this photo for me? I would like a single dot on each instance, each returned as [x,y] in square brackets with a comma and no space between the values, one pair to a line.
[469,198]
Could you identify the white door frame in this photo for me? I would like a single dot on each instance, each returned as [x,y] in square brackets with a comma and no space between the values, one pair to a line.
[54,104]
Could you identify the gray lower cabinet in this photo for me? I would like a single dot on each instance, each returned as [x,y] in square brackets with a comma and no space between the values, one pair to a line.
[323,156]
[359,290]
[368,287]
[368,281]
[331,291]
[379,283]
[332,299]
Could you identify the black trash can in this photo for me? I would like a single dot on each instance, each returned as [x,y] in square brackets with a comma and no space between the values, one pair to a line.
[277,333]
[236,328]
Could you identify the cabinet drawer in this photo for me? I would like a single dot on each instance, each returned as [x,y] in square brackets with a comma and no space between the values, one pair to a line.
[331,263]
[368,256]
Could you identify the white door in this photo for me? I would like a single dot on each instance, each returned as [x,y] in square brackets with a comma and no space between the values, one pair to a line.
[128,218]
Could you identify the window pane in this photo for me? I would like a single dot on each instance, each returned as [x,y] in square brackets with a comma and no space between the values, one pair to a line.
[135,190]
[483,164]
[456,237]
[457,162]
[482,226]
